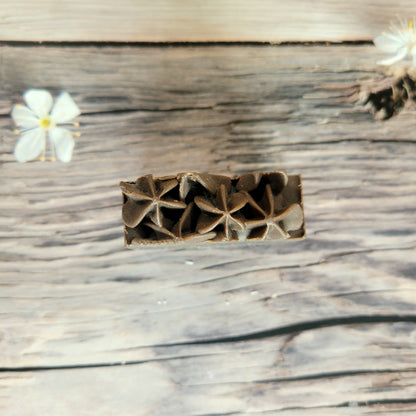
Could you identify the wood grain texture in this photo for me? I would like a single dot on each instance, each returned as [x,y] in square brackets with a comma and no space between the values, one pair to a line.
[198,20]
[323,326]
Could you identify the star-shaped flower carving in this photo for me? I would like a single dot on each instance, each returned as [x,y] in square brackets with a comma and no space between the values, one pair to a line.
[145,198]
[274,226]
[223,212]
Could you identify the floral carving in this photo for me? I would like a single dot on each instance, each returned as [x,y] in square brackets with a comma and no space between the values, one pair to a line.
[194,207]
[275,225]
[224,211]
[146,197]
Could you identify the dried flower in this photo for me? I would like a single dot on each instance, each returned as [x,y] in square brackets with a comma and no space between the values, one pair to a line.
[400,41]
[36,120]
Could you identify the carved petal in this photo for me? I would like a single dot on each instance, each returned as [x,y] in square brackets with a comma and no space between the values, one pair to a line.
[236,202]
[207,206]
[131,190]
[278,180]
[274,232]
[134,212]
[156,215]
[210,182]
[199,238]
[237,222]
[207,223]
[213,182]
[249,182]
[292,218]
[172,204]
[256,223]
[163,187]
[255,205]
[269,231]
[222,198]
[184,225]
[161,232]
[146,185]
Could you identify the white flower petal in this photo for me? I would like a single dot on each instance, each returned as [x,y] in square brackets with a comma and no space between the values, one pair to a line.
[24,117]
[61,139]
[39,101]
[30,145]
[414,56]
[401,53]
[64,109]
[388,42]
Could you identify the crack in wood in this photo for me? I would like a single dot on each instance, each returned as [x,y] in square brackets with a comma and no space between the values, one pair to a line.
[293,329]
[301,327]
[349,404]
[334,374]
[144,110]
[128,44]
[25,369]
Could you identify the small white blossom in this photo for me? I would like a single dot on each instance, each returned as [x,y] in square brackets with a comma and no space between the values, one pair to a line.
[39,120]
[400,41]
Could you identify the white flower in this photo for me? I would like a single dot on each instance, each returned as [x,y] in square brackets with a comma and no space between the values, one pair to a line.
[36,121]
[400,41]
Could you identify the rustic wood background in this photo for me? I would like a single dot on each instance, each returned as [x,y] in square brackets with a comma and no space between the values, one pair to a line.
[198,20]
[321,326]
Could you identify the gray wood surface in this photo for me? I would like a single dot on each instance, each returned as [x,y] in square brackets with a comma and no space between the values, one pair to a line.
[322,326]
[199,20]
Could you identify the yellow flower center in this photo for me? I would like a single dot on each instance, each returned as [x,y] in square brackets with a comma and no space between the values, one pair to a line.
[45,122]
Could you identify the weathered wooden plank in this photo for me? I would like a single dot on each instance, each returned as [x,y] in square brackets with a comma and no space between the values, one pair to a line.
[198,20]
[244,378]
[321,326]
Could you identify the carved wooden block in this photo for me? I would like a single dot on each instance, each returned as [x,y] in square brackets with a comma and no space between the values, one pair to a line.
[200,207]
